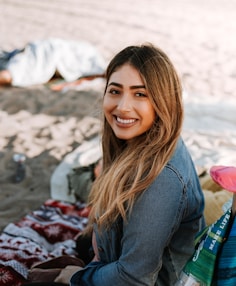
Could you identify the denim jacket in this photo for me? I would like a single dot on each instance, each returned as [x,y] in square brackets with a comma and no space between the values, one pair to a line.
[154,244]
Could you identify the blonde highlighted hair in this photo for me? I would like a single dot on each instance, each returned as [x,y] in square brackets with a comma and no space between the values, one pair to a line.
[128,170]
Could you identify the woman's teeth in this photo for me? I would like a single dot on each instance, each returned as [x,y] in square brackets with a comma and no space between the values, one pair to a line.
[125,121]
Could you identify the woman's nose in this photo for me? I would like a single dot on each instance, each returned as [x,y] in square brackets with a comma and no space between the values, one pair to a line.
[125,103]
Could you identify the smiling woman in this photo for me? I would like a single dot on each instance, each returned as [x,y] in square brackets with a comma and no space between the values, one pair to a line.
[126,104]
[147,199]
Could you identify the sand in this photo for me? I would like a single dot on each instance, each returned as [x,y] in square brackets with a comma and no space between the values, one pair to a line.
[199,37]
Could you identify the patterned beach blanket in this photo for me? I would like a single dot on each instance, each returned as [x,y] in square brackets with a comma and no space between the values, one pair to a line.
[45,233]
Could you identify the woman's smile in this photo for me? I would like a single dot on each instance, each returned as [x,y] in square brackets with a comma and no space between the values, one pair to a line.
[125,121]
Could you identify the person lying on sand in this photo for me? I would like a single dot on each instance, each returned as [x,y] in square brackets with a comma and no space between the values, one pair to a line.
[41,60]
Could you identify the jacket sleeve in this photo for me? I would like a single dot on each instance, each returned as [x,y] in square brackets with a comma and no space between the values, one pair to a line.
[155,217]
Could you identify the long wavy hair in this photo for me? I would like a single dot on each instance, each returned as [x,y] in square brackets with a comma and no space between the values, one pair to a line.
[128,169]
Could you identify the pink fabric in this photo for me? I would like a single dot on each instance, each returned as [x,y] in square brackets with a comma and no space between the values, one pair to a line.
[225,177]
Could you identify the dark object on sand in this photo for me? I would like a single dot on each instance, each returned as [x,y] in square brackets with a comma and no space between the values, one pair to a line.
[19,159]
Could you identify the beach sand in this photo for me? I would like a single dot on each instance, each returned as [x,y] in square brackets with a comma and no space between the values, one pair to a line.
[45,125]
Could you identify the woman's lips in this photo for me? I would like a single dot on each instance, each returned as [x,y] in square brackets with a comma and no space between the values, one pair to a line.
[125,120]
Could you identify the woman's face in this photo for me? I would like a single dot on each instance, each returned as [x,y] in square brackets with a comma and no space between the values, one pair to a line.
[126,104]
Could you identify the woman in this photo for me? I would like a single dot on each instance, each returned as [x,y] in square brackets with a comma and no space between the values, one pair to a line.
[147,204]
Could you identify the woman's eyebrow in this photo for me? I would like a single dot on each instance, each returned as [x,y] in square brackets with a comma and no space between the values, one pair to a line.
[137,86]
[131,87]
[115,83]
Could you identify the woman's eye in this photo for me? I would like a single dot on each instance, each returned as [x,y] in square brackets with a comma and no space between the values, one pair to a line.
[113,91]
[140,94]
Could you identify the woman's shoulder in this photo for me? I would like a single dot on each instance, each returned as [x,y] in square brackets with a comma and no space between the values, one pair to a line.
[180,167]
[181,160]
